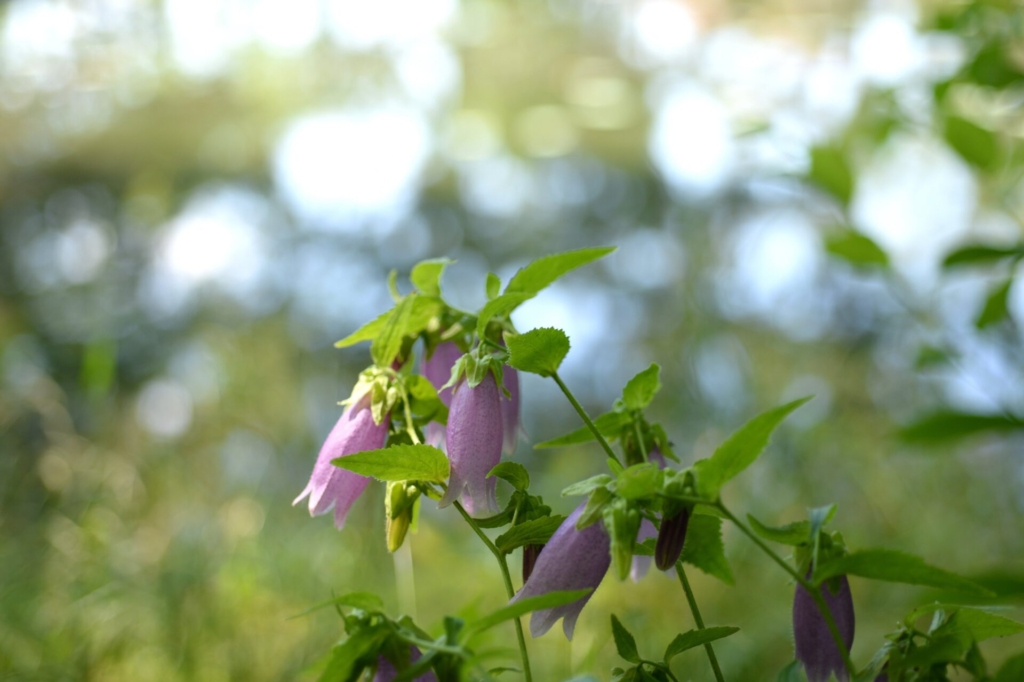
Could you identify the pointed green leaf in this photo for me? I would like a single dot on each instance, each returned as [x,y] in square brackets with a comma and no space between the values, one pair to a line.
[538,351]
[514,473]
[946,425]
[704,548]
[971,624]
[534,532]
[995,309]
[609,424]
[366,601]
[426,275]
[831,172]
[500,307]
[980,254]
[543,271]
[856,249]
[895,567]
[740,450]
[493,286]
[587,486]
[639,481]
[641,389]
[976,145]
[624,642]
[695,638]
[398,463]
[523,606]
[793,534]
[368,332]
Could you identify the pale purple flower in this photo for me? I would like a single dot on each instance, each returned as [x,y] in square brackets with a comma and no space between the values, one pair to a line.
[330,486]
[642,564]
[474,445]
[386,670]
[438,370]
[815,648]
[510,411]
[571,560]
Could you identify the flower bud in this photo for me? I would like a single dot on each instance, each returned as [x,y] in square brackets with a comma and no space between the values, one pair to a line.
[330,486]
[572,559]
[438,370]
[623,524]
[386,670]
[815,648]
[474,445]
[510,410]
[398,506]
[671,539]
[530,554]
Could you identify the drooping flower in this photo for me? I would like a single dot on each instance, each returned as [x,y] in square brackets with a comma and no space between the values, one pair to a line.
[474,438]
[815,648]
[438,369]
[642,564]
[330,486]
[510,411]
[572,560]
[386,670]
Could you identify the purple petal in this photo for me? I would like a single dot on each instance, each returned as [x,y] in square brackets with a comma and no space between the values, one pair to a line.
[474,445]
[815,647]
[642,564]
[655,456]
[510,411]
[386,670]
[572,560]
[438,370]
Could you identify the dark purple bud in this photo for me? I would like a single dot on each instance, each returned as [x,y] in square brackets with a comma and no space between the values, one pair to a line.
[438,370]
[330,486]
[642,564]
[474,445]
[530,554]
[671,539]
[510,410]
[815,648]
[572,560]
[386,671]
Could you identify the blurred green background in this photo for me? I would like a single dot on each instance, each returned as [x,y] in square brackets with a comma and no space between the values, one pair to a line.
[198,197]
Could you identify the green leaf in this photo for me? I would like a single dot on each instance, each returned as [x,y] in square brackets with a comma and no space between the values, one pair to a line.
[831,172]
[493,286]
[523,606]
[794,672]
[641,389]
[976,145]
[740,450]
[501,306]
[639,481]
[624,642]
[856,249]
[368,332]
[587,486]
[352,655]
[609,424]
[995,309]
[389,342]
[971,624]
[398,463]
[792,534]
[543,271]
[704,548]
[695,638]
[947,425]
[1012,670]
[535,532]
[424,309]
[895,567]
[538,351]
[979,254]
[366,601]
[426,275]
[513,473]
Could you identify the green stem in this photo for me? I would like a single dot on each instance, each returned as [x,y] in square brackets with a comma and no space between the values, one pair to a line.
[503,564]
[640,439]
[698,620]
[585,417]
[815,592]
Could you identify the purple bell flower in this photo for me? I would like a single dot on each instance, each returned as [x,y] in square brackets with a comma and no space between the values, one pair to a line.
[572,560]
[386,670]
[474,445]
[815,648]
[330,486]
[438,370]
[510,411]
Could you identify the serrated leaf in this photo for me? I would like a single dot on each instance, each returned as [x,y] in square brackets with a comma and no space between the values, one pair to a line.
[695,638]
[587,486]
[538,351]
[366,601]
[624,642]
[609,424]
[980,254]
[792,534]
[856,249]
[493,286]
[995,309]
[641,389]
[895,567]
[830,171]
[740,450]
[976,145]
[512,472]
[947,425]
[389,342]
[423,310]
[971,624]
[523,606]
[368,332]
[704,548]
[639,481]
[426,275]
[543,271]
[398,463]
[535,532]
[501,306]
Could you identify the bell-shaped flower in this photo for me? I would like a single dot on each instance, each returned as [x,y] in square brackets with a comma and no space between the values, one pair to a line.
[330,486]
[815,648]
[438,370]
[474,438]
[510,410]
[386,670]
[572,560]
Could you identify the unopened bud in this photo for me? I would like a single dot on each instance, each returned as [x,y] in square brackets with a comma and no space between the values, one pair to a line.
[530,554]
[398,503]
[671,539]
[623,524]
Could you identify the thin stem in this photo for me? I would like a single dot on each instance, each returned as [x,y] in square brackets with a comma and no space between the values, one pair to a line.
[585,417]
[815,592]
[640,439]
[698,620]
[503,565]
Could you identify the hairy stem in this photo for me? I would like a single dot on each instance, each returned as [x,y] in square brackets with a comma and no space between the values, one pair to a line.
[585,417]
[815,592]
[503,565]
[698,620]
